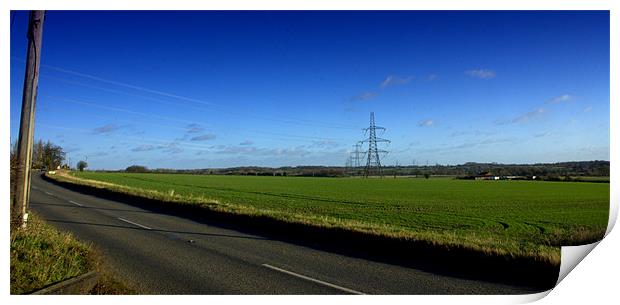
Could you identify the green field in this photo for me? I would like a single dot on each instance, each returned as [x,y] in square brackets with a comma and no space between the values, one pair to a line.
[514,218]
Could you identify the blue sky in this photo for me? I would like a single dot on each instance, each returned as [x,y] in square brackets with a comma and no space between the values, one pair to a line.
[221,89]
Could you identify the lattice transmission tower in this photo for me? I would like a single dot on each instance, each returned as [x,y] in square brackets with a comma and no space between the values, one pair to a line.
[373,162]
[355,155]
[354,162]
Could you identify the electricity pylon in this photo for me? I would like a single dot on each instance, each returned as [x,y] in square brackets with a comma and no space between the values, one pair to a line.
[356,154]
[373,162]
[353,162]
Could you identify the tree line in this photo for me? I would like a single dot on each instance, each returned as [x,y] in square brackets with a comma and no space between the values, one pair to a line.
[546,171]
[45,155]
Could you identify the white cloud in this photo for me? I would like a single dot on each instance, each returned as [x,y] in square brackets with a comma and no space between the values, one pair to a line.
[543,134]
[391,80]
[426,123]
[365,96]
[204,137]
[446,148]
[106,129]
[324,144]
[144,148]
[587,109]
[560,99]
[496,141]
[194,128]
[528,116]
[481,73]
[98,154]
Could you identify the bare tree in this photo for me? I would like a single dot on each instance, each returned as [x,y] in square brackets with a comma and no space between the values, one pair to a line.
[47,155]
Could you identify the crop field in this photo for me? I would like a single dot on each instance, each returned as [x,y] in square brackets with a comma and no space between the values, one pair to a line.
[513,218]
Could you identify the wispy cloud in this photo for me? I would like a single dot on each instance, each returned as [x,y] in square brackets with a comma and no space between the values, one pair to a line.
[459,133]
[392,80]
[414,143]
[72,149]
[470,144]
[97,154]
[426,123]
[365,96]
[476,132]
[540,111]
[543,134]
[325,144]
[204,137]
[481,73]
[298,151]
[489,141]
[106,129]
[144,147]
[528,116]
[286,152]
[171,148]
[432,76]
[194,128]
[246,143]
[560,99]
[587,109]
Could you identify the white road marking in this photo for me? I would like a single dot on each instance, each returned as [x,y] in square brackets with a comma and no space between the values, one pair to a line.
[49,193]
[78,204]
[135,224]
[313,280]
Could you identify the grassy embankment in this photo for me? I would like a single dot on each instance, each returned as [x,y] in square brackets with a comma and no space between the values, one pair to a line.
[42,256]
[527,219]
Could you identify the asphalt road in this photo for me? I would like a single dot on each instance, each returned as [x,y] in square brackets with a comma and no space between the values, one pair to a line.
[166,254]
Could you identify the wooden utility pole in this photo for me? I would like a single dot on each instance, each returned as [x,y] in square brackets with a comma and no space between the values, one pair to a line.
[21,190]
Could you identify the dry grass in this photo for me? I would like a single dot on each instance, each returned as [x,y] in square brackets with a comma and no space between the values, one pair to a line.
[41,256]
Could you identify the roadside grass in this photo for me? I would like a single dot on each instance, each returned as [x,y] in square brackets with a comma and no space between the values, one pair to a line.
[42,256]
[516,219]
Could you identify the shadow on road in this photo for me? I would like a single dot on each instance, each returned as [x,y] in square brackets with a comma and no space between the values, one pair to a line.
[92,208]
[153,230]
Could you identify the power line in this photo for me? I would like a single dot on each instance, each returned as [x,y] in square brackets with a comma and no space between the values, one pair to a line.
[122,84]
[291,121]
[73,101]
[79,102]
[212,106]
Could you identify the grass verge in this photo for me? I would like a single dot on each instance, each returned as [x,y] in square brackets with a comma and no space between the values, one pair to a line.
[42,256]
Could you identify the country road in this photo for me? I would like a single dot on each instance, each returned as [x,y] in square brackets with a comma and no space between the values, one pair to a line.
[167,254]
